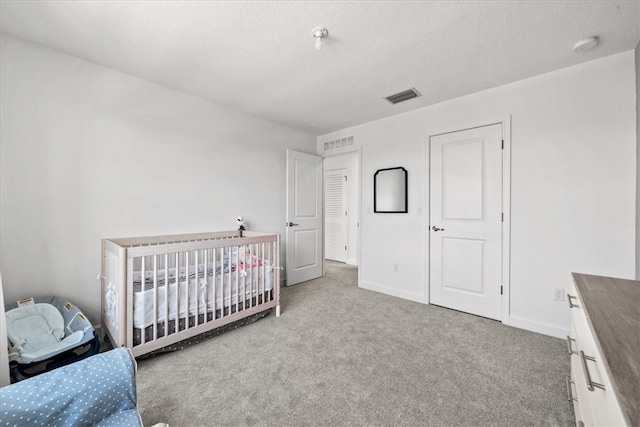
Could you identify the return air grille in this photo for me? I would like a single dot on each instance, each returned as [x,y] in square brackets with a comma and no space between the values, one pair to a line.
[403,96]
[338,143]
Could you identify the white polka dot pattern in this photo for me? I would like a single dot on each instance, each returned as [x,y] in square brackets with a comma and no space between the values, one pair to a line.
[99,390]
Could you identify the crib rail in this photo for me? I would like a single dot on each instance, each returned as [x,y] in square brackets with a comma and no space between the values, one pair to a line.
[163,289]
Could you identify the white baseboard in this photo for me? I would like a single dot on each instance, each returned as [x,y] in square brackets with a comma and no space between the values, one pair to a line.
[376,287]
[534,326]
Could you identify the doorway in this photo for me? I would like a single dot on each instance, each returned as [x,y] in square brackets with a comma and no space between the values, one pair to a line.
[341,207]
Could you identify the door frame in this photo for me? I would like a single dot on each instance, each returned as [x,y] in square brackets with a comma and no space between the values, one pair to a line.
[506,207]
[355,149]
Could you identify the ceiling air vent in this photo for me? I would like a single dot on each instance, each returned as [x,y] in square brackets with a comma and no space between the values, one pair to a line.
[403,96]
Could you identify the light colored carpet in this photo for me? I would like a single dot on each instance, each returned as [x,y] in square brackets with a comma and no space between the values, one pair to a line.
[340,355]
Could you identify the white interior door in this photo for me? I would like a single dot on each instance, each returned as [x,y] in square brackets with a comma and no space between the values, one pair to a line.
[336,215]
[304,217]
[466,221]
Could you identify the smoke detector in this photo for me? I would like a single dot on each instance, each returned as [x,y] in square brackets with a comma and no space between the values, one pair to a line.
[585,44]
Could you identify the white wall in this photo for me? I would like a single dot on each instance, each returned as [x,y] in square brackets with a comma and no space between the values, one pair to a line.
[350,162]
[88,152]
[573,195]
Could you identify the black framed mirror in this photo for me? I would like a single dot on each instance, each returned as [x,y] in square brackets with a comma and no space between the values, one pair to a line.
[390,190]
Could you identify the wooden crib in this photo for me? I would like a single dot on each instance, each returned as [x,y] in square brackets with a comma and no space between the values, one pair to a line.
[159,290]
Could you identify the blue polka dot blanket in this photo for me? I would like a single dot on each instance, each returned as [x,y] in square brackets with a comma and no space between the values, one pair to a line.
[97,391]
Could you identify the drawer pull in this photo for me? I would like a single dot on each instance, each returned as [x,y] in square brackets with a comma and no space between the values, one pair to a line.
[572,305]
[569,394]
[590,384]
[569,349]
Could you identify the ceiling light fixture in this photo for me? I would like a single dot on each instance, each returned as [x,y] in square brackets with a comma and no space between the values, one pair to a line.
[585,44]
[319,33]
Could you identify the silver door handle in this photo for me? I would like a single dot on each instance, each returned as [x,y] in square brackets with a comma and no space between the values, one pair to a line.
[290,224]
[434,228]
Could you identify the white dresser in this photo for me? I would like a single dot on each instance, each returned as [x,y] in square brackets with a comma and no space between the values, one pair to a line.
[605,351]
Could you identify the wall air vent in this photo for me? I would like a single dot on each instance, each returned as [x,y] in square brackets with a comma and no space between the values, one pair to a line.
[338,143]
[403,96]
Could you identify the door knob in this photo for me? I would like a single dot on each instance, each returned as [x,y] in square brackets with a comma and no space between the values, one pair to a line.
[434,228]
[290,224]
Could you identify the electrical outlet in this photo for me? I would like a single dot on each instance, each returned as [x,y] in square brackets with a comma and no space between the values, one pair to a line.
[396,268]
[558,294]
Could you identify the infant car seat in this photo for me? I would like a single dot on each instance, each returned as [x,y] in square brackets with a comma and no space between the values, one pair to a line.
[46,333]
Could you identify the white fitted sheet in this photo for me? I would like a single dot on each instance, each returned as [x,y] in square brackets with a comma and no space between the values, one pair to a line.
[251,282]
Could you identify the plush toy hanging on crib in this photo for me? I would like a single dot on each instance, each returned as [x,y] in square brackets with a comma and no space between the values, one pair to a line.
[241,223]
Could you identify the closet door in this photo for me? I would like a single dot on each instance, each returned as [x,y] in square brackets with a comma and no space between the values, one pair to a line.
[465,230]
[336,215]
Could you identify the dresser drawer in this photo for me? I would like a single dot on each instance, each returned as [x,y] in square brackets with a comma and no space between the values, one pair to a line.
[596,402]
[577,389]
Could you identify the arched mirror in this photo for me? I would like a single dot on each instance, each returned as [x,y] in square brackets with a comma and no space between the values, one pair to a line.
[390,190]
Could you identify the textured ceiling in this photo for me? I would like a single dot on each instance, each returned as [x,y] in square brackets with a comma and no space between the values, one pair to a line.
[259,57]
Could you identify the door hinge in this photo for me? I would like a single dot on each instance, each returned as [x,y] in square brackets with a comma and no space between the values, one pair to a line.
[502,217]
[500,289]
[345,213]
[345,247]
[503,144]
[345,178]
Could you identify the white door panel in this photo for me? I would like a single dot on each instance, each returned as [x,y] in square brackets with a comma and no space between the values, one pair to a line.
[466,221]
[304,217]
[462,180]
[305,242]
[462,264]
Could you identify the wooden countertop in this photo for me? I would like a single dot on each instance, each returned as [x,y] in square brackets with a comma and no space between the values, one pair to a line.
[612,307]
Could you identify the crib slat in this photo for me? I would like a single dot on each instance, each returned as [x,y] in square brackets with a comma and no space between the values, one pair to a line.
[128,302]
[206,281]
[155,297]
[246,276]
[196,267]
[187,296]
[254,275]
[215,279]
[143,287]
[276,274]
[176,319]
[261,270]
[232,268]
[264,269]
[222,273]
[237,276]
[166,294]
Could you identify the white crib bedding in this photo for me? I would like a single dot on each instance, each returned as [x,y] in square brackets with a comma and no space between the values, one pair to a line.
[182,273]
[251,281]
